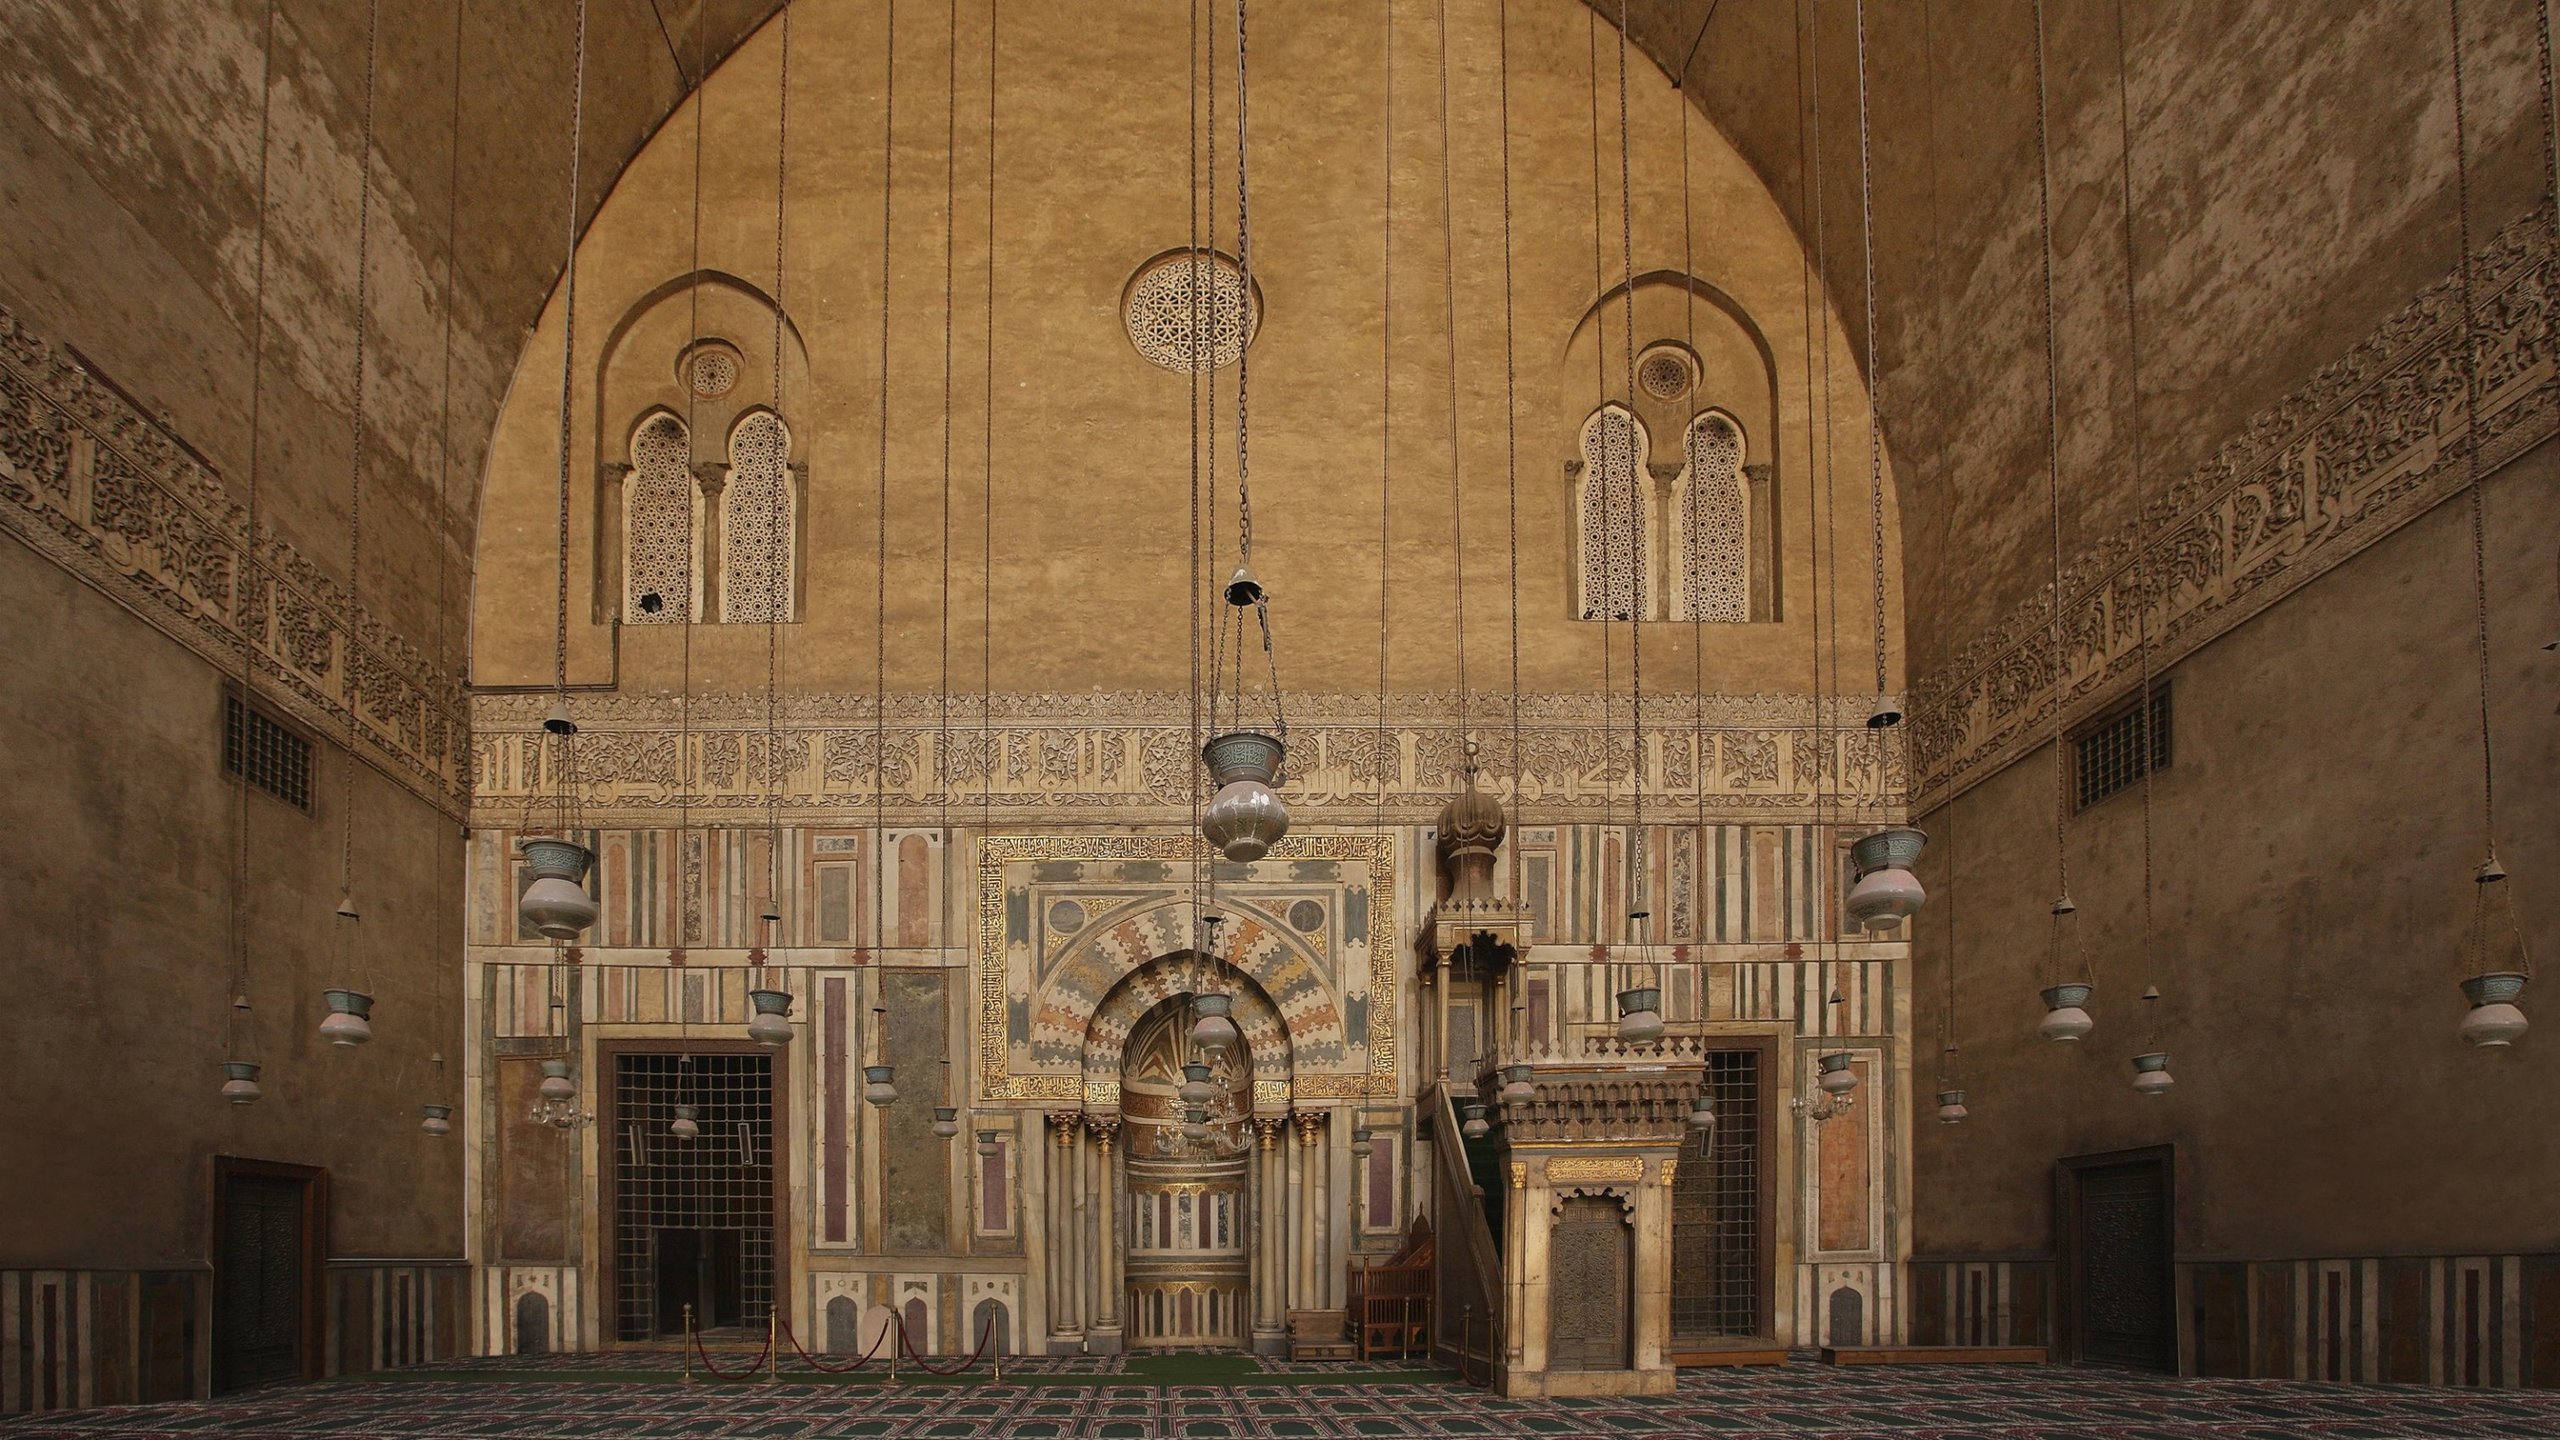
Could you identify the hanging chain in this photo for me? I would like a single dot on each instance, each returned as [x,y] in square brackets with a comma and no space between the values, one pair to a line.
[779,569]
[355,469]
[1244,357]
[1636,867]
[1449,309]
[987,486]
[2142,560]
[1688,432]
[444,475]
[248,588]
[1510,427]
[695,558]
[1386,404]
[880,561]
[1600,388]
[1823,507]
[2468,338]
[1875,374]
[950,298]
[2053,472]
[568,352]
[1202,355]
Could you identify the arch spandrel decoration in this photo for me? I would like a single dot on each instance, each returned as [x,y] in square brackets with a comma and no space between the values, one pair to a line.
[1064,920]
[1269,1038]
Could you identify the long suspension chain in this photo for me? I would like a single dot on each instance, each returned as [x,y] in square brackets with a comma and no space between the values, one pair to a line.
[950,302]
[1449,312]
[695,559]
[880,500]
[568,373]
[2141,484]
[1637,864]
[249,587]
[1823,508]
[436,958]
[2467,336]
[777,604]
[1875,372]
[2053,473]
[1387,775]
[355,469]
[987,490]
[1201,355]
[1510,429]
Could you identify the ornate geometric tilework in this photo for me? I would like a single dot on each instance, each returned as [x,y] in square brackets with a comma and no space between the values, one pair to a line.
[1612,512]
[1172,295]
[1715,524]
[756,523]
[658,542]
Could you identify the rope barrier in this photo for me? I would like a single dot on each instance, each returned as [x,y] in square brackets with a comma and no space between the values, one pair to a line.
[986,1337]
[762,1355]
[824,1368]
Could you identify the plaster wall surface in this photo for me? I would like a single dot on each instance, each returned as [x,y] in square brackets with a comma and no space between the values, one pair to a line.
[2313,838]
[118,843]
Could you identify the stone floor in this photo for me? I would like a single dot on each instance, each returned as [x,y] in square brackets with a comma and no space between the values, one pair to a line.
[639,1394]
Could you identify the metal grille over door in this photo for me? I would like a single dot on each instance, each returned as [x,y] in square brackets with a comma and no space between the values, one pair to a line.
[1587,1286]
[1716,1232]
[2124,1286]
[692,1219]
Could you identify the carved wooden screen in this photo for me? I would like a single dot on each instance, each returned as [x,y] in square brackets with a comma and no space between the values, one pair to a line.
[2123,1284]
[1717,1232]
[1587,1286]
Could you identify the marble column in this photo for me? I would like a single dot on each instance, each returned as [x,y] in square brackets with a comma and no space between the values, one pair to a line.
[1270,1237]
[1066,1300]
[1106,1333]
[1303,1294]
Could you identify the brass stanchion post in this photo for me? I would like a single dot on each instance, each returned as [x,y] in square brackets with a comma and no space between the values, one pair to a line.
[897,1333]
[772,1345]
[687,1347]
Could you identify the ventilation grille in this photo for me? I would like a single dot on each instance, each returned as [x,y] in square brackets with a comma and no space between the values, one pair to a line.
[258,747]
[2109,754]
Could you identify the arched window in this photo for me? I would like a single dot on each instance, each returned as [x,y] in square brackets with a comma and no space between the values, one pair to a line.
[1611,516]
[757,513]
[660,576]
[1713,497]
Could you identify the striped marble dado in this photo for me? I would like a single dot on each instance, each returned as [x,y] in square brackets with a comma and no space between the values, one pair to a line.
[2491,1320]
[73,1339]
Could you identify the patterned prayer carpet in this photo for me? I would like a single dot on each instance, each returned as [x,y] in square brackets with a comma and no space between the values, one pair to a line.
[642,1394]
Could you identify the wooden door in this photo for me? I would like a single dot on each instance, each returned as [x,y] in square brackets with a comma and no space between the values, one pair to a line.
[262,1279]
[2118,1249]
[1587,1275]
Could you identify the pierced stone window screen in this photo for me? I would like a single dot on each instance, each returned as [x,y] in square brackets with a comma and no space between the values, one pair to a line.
[757,517]
[661,526]
[2108,754]
[1611,517]
[1713,499]
[264,751]
[1190,312]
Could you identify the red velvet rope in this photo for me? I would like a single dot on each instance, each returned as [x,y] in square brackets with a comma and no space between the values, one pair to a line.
[986,1337]
[821,1366]
[752,1366]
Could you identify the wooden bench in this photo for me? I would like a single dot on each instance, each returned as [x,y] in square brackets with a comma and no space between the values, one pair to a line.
[1933,1355]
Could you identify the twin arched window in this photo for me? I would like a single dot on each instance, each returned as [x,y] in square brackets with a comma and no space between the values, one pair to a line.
[745,514]
[1709,550]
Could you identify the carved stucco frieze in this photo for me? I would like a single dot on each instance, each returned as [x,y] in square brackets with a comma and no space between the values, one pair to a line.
[1127,757]
[2373,441]
[108,493]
